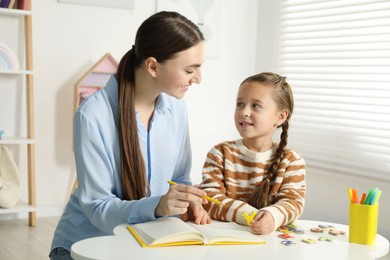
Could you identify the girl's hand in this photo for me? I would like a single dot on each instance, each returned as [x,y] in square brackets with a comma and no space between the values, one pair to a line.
[263,223]
[197,213]
[177,200]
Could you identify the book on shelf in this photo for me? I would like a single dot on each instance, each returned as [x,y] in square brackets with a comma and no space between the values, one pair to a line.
[172,231]
[5,3]
[12,4]
[23,4]
[15,4]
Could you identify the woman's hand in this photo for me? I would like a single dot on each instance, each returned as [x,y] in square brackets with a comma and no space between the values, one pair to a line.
[178,199]
[263,223]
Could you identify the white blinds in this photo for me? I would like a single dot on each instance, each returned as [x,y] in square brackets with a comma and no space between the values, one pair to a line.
[336,56]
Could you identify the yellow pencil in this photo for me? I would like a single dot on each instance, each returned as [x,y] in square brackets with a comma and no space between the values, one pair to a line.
[172,182]
[206,197]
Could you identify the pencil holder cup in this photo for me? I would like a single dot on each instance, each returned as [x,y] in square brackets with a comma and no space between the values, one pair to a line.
[363,223]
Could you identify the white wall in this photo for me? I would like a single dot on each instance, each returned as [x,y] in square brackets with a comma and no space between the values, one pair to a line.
[68,39]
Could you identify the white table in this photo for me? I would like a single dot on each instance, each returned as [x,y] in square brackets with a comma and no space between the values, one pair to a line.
[122,245]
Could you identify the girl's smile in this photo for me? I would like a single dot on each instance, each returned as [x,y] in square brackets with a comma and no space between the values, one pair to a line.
[245,124]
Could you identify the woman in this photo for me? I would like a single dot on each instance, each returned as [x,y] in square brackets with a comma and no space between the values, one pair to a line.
[131,137]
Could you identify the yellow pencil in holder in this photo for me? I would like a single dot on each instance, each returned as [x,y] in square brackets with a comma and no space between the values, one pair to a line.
[363,223]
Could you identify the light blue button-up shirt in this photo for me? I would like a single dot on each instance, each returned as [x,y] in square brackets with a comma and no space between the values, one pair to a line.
[96,207]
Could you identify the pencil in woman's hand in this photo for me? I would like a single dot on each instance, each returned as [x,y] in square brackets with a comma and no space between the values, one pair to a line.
[206,197]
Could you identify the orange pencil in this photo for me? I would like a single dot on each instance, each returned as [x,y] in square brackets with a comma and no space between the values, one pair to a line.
[355,196]
[363,198]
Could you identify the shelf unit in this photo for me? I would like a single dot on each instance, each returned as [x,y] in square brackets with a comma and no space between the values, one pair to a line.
[24,75]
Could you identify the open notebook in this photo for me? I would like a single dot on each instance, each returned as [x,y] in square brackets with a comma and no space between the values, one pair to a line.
[173,231]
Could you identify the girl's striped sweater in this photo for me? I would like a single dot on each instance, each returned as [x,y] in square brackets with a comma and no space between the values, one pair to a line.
[232,171]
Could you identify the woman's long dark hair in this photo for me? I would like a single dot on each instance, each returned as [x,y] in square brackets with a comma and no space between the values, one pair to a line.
[161,36]
[283,97]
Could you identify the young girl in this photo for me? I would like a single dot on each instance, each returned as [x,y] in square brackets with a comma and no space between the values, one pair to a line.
[256,174]
[131,137]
